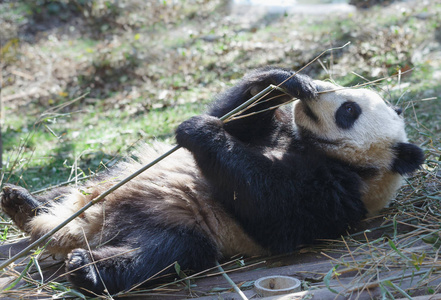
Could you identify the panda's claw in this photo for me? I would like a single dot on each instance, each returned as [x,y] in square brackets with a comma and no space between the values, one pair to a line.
[302,87]
[18,204]
[81,271]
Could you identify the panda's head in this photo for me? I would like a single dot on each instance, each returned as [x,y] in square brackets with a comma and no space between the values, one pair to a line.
[356,126]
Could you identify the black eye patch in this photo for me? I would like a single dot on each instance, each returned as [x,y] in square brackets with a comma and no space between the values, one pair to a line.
[347,114]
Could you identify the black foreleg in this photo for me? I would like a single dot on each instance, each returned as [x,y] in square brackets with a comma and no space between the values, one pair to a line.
[229,163]
[119,268]
[281,203]
[257,126]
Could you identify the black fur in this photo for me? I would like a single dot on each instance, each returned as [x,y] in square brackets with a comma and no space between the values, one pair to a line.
[262,124]
[398,110]
[132,260]
[278,185]
[408,158]
[282,203]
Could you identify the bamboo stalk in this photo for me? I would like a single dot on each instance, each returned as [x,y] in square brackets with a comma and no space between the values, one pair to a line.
[43,238]
[309,63]
[99,198]
[364,84]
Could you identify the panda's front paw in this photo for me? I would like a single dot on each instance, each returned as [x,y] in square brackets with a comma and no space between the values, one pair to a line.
[298,85]
[301,86]
[197,131]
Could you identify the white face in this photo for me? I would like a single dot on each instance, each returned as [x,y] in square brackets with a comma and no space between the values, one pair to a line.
[355,125]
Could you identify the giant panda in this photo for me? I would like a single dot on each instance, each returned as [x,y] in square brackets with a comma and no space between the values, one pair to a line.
[265,182]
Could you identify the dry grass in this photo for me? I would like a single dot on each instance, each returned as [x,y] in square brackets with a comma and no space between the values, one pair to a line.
[153,61]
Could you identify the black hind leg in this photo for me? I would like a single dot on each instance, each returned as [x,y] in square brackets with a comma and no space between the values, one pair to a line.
[20,205]
[118,268]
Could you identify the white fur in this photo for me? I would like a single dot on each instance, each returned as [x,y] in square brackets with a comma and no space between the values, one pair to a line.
[81,231]
[174,188]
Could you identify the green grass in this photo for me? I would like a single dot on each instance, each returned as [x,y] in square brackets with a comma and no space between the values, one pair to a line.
[76,49]
[93,136]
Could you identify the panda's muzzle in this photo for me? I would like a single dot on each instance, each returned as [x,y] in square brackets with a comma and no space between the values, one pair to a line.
[308,111]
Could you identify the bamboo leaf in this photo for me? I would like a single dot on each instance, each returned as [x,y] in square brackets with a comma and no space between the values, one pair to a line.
[65,291]
[328,277]
[385,293]
[397,288]
[37,265]
[177,268]
[28,266]
[392,245]
[395,226]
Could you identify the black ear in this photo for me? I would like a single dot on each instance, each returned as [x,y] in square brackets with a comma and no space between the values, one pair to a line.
[408,158]
[398,110]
